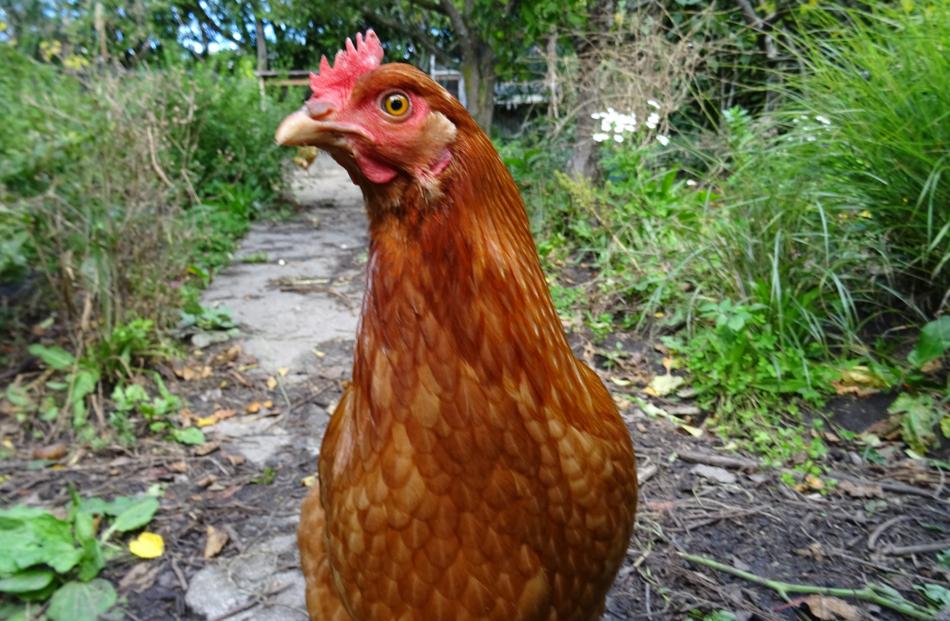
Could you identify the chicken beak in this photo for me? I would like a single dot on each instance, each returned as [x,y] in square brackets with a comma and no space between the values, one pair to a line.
[311,126]
[299,130]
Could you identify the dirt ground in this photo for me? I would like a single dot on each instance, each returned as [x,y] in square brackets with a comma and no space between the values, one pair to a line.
[881,523]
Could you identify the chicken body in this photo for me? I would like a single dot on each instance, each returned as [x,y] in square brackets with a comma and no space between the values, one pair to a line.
[474,469]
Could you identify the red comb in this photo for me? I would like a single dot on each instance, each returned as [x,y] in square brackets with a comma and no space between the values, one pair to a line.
[348,64]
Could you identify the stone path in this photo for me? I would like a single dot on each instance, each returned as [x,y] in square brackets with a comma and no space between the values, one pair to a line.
[298,312]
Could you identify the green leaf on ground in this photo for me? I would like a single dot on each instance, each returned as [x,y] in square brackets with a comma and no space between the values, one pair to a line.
[192,436]
[53,357]
[136,515]
[81,601]
[27,581]
[919,416]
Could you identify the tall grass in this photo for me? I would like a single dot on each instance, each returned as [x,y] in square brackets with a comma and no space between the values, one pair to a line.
[883,80]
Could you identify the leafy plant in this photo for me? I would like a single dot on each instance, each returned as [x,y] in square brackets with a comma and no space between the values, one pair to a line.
[44,557]
[919,416]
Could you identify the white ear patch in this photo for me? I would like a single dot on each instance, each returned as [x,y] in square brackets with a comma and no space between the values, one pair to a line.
[438,133]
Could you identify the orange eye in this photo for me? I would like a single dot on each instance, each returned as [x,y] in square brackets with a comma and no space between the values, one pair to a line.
[396,104]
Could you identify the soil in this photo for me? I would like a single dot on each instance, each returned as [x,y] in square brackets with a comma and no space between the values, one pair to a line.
[276,382]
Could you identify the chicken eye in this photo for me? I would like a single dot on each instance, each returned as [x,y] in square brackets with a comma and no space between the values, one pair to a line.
[396,104]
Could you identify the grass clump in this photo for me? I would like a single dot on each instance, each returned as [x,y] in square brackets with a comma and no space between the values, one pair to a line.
[123,193]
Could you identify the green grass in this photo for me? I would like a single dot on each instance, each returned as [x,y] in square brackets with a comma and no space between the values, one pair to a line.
[122,195]
[798,244]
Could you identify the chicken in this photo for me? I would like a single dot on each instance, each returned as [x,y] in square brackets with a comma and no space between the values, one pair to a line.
[474,468]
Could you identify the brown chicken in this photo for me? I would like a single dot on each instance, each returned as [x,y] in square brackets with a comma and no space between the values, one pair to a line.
[474,468]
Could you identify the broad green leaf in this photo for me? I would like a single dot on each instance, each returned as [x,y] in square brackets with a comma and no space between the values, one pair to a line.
[53,357]
[26,581]
[18,396]
[35,538]
[81,601]
[137,515]
[192,435]
[919,417]
[934,340]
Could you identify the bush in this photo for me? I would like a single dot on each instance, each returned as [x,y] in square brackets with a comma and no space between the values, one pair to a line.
[101,172]
[124,192]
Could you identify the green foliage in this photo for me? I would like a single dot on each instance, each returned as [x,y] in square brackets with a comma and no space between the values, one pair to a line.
[933,342]
[121,197]
[44,557]
[883,81]
[919,416]
[132,402]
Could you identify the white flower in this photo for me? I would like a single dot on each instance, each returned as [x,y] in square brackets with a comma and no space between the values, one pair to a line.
[653,103]
[663,140]
[600,137]
[653,120]
[690,182]
[618,137]
[822,119]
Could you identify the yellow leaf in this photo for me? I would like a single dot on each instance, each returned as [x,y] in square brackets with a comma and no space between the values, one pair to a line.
[268,404]
[7,444]
[662,385]
[253,408]
[620,382]
[147,545]
[309,481]
[282,371]
[318,353]
[271,383]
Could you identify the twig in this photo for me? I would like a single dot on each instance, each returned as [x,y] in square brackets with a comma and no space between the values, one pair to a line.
[917,549]
[645,474]
[742,463]
[870,593]
[877,532]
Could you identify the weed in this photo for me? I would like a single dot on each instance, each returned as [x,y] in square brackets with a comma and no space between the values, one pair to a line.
[43,557]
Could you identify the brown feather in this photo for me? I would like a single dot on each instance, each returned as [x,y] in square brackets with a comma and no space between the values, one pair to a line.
[474,469]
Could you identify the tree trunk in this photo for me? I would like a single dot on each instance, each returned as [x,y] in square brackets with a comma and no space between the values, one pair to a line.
[582,161]
[478,70]
[261,44]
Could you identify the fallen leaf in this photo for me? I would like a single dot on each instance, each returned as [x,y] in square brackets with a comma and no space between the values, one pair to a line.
[831,608]
[813,550]
[859,381]
[662,385]
[51,452]
[858,490]
[208,447]
[140,577]
[206,480]
[253,407]
[268,404]
[235,460]
[318,353]
[810,483]
[713,473]
[147,545]
[215,541]
[309,481]
[271,383]
[179,466]
[283,371]
[620,382]
[215,418]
